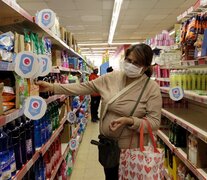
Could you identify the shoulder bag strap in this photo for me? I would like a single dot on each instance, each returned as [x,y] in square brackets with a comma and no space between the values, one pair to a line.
[139,98]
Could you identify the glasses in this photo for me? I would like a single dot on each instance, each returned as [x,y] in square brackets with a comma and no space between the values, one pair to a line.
[131,61]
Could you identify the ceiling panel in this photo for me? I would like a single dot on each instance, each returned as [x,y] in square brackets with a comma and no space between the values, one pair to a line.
[90,20]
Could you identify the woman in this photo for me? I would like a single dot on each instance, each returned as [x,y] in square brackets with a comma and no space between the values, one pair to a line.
[115,115]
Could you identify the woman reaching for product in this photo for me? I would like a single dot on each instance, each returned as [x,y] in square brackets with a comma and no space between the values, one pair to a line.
[119,92]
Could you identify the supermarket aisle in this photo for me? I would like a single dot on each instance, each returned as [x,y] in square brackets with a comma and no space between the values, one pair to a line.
[87,166]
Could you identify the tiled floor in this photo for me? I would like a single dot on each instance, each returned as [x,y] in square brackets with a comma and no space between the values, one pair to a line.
[86,165]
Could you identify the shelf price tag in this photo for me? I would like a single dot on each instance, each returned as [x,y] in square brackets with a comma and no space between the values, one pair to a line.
[71,117]
[176,93]
[73,144]
[35,107]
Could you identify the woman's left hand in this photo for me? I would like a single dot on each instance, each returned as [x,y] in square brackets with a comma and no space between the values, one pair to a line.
[117,123]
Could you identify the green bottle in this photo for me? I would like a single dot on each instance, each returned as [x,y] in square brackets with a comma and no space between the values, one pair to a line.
[203,81]
[184,77]
[193,76]
[198,79]
[189,80]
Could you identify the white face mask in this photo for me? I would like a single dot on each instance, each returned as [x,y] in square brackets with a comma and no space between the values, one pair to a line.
[131,70]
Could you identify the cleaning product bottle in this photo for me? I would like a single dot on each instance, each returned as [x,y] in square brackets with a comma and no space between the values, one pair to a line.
[11,152]
[184,79]
[4,156]
[29,143]
[16,140]
[203,81]
[189,80]
[31,122]
[48,118]
[37,134]
[21,126]
[43,132]
[194,77]
[199,78]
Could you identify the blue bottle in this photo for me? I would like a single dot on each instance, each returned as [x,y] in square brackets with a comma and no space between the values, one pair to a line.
[15,133]
[29,143]
[49,126]
[21,125]
[11,152]
[4,156]
[37,134]
[42,129]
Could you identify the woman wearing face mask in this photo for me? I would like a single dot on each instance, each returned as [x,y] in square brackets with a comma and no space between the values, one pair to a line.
[115,109]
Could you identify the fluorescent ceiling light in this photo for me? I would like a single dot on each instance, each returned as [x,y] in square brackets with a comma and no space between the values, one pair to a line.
[122,43]
[114,19]
[172,32]
[93,44]
[103,48]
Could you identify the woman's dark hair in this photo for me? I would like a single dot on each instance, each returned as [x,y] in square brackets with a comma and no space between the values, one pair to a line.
[143,54]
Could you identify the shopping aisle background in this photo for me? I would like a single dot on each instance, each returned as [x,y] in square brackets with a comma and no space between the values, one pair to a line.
[87,166]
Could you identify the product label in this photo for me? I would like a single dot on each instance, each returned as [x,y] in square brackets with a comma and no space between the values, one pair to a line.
[12,162]
[5,166]
[29,146]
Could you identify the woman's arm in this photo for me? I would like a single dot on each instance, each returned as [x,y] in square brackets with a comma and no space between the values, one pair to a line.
[85,88]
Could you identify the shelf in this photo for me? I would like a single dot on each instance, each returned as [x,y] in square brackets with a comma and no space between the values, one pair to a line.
[64,149]
[15,113]
[200,173]
[21,173]
[189,95]
[190,119]
[14,18]
[10,116]
[56,133]
[54,172]
[163,79]
[54,98]
[6,66]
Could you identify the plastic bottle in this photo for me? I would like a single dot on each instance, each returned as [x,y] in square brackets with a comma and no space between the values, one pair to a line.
[189,80]
[11,152]
[37,134]
[29,143]
[16,140]
[193,76]
[184,79]
[21,126]
[49,122]
[4,156]
[57,122]
[198,79]
[32,134]
[203,81]
[43,131]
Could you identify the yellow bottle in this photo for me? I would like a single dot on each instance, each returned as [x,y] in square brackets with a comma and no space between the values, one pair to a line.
[203,81]
[189,80]
[193,76]
[198,79]
[184,79]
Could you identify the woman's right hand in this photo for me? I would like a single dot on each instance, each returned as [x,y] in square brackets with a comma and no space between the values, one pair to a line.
[45,86]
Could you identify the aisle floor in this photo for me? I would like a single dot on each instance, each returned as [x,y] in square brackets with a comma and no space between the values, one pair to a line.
[86,165]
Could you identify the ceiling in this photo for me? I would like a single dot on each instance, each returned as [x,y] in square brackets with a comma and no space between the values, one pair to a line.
[90,20]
